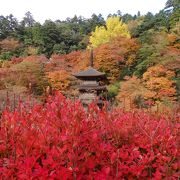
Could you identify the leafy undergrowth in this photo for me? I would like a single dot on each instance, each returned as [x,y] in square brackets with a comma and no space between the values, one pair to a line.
[61,141]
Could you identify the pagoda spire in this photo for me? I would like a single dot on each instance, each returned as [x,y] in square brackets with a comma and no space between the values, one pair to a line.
[91,58]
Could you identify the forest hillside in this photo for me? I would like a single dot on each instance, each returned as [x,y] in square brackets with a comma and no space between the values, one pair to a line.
[139,54]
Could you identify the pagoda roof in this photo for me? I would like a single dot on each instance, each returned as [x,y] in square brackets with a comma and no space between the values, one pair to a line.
[90,72]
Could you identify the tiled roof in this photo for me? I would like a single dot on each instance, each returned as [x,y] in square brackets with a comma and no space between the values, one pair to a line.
[90,72]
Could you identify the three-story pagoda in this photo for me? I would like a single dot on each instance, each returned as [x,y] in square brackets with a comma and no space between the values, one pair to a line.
[92,85]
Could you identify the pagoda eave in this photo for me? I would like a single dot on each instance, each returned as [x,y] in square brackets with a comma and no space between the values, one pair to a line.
[92,87]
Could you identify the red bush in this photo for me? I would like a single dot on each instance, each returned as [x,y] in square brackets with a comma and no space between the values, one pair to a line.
[61,141]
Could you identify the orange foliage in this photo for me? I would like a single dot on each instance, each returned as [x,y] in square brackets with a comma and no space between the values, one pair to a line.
[59,80]
[174,44]
[55,63]
[115,55]
[9,44]
[60,68]
[36,58]
[83,61]
[107,59]
[73,58]
[158,71]
[159,80]
[66,62]
[133,88]
[171,38]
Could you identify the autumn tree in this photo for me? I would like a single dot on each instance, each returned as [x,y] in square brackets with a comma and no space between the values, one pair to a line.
[60,70]
[133,24]
[159,80]
[8,48]
[31,70]
[69,62]
[133,91]
[9,44]
[157,48]
[59,80]
[116,55]
[114,28]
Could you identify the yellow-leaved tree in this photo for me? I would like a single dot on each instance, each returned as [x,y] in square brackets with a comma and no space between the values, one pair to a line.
[114,28]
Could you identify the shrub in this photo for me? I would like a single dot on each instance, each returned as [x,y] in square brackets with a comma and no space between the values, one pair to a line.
[61,141]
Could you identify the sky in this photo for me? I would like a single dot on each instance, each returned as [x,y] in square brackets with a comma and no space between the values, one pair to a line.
[61,9]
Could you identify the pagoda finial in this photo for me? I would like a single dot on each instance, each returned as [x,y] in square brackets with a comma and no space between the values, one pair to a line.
[91,57]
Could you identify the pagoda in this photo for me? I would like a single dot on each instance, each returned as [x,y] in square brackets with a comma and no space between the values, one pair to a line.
[92,86]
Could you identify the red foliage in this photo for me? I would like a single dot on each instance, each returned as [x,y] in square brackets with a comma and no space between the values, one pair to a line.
[64,62]
[61,140]
[36,58]
[16,60]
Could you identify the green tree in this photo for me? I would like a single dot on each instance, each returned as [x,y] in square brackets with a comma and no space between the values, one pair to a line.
[28,20]
[95,20]
[127,17]
[51,36]
[33,37]
[148,23]
[162,21]
[8,26]
[173,9]
[157,48]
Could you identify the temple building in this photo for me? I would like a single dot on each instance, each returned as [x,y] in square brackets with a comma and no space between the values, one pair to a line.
[92,86]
